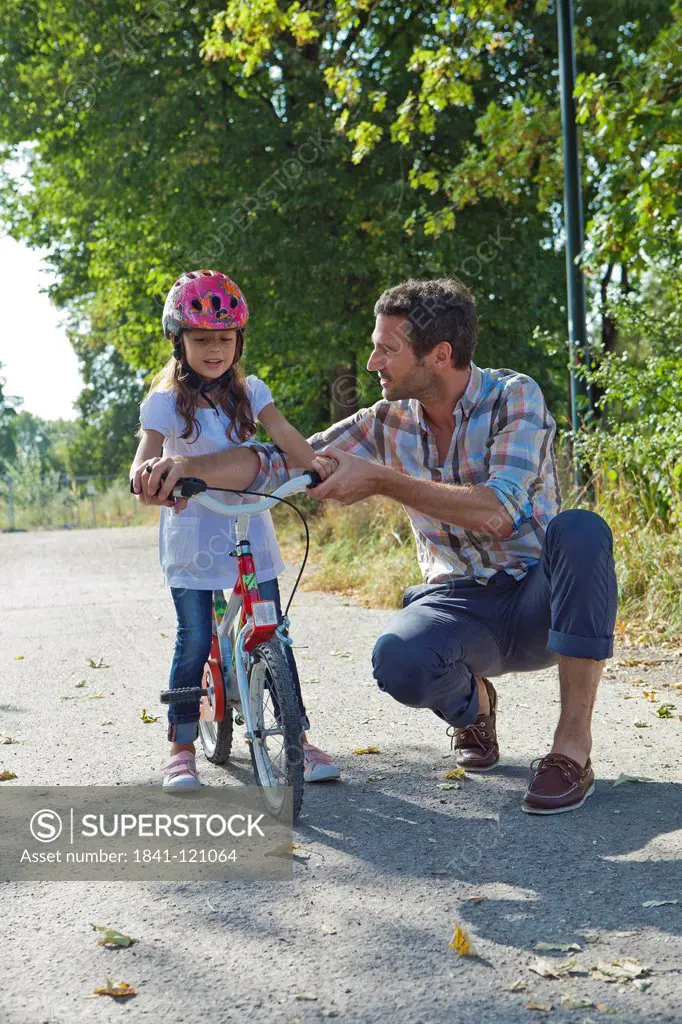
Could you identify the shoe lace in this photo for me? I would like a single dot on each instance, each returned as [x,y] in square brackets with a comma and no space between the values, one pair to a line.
[476,733]
[565,765]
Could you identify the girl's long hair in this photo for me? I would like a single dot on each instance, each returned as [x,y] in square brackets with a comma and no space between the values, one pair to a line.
[230,395]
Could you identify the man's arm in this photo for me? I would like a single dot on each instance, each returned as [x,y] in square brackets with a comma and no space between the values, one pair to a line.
[235,469]
[356,434]
[472,508]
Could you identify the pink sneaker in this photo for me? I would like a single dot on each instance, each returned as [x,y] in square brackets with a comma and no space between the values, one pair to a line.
[318,765]
[181,770]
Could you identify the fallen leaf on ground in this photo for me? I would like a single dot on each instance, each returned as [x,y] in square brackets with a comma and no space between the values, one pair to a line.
[366,750]
[591,937]
[8,740]
[449,785]
[18,657]
[455,773]
[641,725]
[545,1007]
[649,695]
[310,682]
[340,654]
[123,989]
[572,967]
[622,779]
[111,937]
[570,1003]
[658,903]
[97,664]
[107,721]
[460,942]
[305,997]
[545,968]
[6,775]
[164,635]
[630,662]
[285,849]
[665,711]
[624,969]
[518,986]
[558,947]
[80,684]
[146,717]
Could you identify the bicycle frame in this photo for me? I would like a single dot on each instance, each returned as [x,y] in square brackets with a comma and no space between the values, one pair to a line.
[256,618]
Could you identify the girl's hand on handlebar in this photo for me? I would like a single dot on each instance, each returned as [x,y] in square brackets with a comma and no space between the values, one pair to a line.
[324,465]
[142,474]
[158,482]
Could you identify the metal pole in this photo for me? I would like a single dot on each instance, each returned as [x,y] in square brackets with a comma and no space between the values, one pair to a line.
[10,504]
[573,220]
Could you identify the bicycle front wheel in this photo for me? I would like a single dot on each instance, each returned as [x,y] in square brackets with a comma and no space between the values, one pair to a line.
[277,750]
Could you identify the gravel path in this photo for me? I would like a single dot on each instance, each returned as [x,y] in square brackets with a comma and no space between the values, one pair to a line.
[386,860]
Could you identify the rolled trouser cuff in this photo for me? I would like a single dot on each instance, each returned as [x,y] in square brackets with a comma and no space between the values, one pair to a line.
[599,648]
[183,732]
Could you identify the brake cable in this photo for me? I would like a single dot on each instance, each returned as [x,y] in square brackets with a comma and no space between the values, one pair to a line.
[284,501]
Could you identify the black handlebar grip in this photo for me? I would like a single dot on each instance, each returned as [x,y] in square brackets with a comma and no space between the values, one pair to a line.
[191,485]
[315,478]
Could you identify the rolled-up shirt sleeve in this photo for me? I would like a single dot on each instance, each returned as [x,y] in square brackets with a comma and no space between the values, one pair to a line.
[357,434]
[519,448]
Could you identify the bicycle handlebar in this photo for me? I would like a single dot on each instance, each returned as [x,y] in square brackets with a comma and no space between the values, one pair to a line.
[193,487]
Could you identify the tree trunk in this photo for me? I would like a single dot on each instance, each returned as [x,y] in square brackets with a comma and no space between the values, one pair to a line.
[343,391]
[609,336]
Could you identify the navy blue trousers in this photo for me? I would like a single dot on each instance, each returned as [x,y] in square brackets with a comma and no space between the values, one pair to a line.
[447,633]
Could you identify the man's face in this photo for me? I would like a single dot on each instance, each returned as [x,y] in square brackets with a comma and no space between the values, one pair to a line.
[401,374]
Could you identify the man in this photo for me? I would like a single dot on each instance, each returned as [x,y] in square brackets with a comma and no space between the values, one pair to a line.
[511,584]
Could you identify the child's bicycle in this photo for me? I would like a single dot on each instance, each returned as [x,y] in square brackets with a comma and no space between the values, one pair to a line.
[247,678]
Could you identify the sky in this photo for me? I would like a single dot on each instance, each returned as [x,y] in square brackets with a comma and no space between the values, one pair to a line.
[38,362]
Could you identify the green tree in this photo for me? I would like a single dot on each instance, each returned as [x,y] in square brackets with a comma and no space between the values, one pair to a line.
[104,442]
[144,158]
[8,413]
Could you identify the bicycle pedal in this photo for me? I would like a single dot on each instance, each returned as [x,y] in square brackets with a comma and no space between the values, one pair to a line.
[182,694]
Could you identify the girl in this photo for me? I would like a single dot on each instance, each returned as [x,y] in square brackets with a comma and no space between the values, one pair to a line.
[200,403]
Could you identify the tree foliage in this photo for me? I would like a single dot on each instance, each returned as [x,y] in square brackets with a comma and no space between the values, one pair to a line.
[320,152]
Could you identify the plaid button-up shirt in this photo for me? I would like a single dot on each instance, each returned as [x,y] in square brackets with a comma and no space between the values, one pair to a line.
[502,439]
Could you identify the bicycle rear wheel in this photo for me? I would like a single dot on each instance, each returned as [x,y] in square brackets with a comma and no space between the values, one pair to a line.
[278,758]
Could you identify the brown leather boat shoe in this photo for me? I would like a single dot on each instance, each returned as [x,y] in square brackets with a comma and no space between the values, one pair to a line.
[559,784]
[476,744]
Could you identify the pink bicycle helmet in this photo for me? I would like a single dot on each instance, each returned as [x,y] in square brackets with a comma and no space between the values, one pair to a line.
[203,300]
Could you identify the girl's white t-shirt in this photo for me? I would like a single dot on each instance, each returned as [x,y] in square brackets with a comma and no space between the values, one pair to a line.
[195,544]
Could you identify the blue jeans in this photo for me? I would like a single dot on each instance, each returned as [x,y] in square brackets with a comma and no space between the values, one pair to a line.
[447,633]
[192,648]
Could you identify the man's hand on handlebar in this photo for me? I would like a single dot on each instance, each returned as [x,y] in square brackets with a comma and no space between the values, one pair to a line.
[324,465]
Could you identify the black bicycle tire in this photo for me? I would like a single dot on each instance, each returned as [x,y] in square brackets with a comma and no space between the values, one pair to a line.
[280,673]
[223,747]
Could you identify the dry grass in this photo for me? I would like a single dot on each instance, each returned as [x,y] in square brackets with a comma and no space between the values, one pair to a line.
[114,507]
